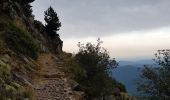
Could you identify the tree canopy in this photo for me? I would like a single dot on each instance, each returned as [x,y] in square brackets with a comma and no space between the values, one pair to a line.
[25,1]
[27,8]
[52,23]
[39,26]
[155,82]
[96,63]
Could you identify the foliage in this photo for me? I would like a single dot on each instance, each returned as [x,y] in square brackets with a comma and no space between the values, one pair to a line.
[3,49]
[96,64]
[27,8]
[20,41]
[24,1]
[39,26]
[10,90]
[156,80]
[52,23]
[4,72]
[71,66]
[120,86]
[28,1]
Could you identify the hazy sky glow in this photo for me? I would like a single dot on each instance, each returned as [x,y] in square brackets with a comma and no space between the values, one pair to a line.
[130,29]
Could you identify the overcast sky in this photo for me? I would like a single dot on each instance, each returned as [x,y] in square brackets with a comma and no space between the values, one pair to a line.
[130,29]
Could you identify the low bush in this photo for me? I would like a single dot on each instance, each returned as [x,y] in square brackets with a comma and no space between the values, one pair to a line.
[9,89]
[4,72]
[71,66]
[74,68]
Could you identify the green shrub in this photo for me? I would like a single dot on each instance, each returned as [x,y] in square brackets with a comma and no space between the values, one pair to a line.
[3,49]
[4,71]
[90,68]
[39,26]
[14,91]
[26,6]
[8,88]
[1,46]
[74,68]
[97,63]
[20,41]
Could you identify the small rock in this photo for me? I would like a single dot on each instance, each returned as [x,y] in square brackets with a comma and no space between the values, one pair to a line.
[6,58]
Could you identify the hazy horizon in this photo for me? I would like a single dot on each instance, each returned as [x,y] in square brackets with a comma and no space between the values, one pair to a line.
[130,29]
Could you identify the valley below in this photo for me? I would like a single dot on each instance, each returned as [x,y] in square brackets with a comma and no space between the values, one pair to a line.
[128,73]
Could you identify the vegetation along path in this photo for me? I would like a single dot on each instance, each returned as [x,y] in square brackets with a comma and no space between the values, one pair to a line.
[53,83]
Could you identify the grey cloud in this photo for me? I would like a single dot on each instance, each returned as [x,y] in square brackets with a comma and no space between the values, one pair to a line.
[85,18]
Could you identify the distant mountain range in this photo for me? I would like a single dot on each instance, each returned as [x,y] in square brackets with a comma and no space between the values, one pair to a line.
[128,73]
[138,63]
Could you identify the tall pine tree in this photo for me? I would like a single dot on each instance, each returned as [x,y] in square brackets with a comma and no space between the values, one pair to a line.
[52,23]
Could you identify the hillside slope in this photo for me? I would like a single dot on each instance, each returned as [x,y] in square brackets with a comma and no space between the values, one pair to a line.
[30,66]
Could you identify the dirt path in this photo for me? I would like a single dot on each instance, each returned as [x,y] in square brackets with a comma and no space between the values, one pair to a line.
[52,84]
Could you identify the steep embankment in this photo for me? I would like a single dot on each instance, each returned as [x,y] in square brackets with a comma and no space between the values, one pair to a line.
[53,83]
[21,43]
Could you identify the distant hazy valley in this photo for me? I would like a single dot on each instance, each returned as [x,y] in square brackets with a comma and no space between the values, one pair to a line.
[128,73]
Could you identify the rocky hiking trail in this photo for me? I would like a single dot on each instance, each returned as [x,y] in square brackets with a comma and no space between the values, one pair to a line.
[52,83]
